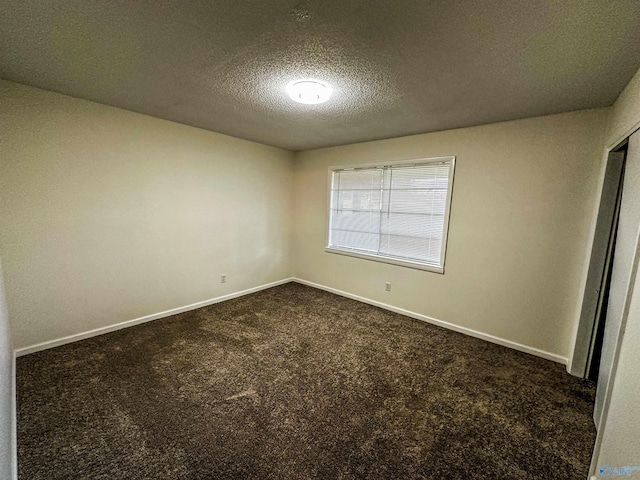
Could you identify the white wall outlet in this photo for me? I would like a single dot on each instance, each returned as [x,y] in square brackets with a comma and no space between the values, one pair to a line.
[387,286]
[223,279]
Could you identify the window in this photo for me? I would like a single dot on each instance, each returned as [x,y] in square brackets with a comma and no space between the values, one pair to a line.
[396,212]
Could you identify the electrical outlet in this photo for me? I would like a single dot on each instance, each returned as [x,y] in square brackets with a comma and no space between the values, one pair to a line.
[223,279]
[387,286]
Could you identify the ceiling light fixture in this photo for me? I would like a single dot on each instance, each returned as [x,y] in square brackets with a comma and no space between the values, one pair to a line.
[309,92]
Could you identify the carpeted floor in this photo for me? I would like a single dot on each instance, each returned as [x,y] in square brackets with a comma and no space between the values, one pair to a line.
[296,383]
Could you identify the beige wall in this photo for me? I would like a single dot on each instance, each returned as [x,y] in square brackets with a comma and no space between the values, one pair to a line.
[625,115]
[109,215]
[520,219]
[618,442]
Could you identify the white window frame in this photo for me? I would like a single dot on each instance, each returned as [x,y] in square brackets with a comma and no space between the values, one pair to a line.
[389,259]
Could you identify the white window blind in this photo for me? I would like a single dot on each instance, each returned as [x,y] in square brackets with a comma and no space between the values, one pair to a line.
[394,212]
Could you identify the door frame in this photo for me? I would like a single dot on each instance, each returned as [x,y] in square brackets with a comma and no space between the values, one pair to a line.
[573,366]
[605,223]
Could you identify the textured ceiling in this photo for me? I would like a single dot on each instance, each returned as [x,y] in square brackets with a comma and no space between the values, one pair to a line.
[398,67]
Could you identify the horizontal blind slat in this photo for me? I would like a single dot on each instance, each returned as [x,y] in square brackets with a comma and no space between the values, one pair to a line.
[395,211]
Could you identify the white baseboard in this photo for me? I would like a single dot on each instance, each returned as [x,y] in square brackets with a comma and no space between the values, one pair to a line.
[167,313]
[418,316]
[147,318]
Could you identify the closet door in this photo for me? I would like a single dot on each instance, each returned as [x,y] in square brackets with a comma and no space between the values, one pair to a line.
[625,263]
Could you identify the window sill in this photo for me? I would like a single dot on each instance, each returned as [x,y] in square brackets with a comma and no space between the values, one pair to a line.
[390,260]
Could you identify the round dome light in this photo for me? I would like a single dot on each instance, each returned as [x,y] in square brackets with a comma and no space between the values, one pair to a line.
[310,92]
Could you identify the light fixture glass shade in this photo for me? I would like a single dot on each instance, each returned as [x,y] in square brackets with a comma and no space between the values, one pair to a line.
[309,92]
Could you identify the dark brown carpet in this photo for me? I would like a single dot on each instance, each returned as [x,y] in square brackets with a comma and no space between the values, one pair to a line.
[296,383]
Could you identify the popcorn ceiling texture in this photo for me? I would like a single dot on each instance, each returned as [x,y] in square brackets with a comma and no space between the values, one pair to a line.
[397,67]
[297,383]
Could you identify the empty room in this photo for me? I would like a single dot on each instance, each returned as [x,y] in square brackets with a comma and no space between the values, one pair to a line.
[304,239]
